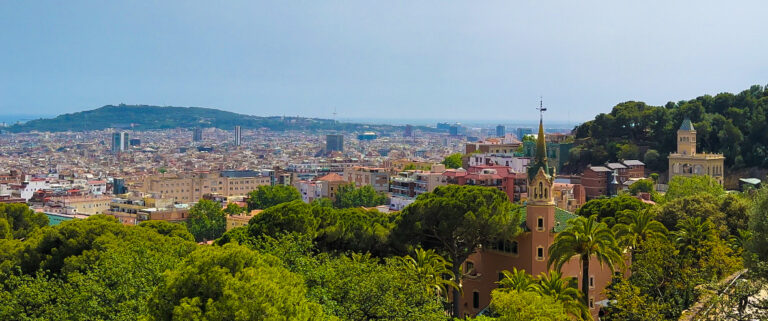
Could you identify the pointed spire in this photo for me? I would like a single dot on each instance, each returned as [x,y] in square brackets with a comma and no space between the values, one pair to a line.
[541,145]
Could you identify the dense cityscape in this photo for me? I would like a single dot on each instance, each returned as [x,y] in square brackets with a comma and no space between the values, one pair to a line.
[440,161]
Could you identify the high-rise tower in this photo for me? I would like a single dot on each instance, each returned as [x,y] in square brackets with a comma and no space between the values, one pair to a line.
[238,136]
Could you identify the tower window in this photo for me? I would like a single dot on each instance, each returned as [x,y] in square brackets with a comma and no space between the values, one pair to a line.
[591,281]
[540,223]
[540,253]
[476,300]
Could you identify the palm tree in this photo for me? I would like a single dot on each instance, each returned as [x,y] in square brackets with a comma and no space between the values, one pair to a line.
[739,241]
[432,270]
[692,232]
[585,238]
[517,280]
[565,291]
[636,227]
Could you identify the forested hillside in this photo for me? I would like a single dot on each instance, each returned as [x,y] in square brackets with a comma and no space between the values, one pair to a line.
[732,124]
[143,117]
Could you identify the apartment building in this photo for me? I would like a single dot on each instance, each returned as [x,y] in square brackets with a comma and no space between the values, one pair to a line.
[407,185]
[512,183]
[190,187]
[376,177]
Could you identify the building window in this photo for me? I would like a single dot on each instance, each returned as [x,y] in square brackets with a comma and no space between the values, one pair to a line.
[591,303]
[540,253]
[540,223]
[476,300]
[469,266]
[592,281]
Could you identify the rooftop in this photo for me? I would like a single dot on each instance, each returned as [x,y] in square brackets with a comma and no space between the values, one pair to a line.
[687,125]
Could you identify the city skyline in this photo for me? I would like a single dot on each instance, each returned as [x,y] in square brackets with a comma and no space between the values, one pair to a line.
[365,60]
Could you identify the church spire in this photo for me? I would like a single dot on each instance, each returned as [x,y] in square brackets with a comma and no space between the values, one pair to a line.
[540,160]
[541,144]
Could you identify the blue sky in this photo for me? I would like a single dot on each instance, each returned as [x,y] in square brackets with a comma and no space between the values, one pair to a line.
[377,59]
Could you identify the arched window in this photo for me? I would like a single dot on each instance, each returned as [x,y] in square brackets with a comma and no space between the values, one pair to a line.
[546,193]
[541,188]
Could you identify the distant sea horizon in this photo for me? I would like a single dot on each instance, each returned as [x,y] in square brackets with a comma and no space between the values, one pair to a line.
[480,123]
[11,119]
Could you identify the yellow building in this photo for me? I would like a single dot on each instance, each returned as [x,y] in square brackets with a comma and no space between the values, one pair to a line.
[234,221]
[190,187]
[87,205]
[687,162]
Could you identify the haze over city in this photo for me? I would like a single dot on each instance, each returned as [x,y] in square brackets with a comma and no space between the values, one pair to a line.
[376,60]
[383,160]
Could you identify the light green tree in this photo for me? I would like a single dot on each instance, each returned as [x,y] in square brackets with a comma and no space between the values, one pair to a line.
[518,306]
[430,269]
[563,290]
[452,161]
[517,280]
[636,227]
[585,238]
[682,186]
[232,282]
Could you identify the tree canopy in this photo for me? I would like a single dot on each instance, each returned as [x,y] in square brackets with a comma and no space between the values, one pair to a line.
[267,196]
[17,220]
[732,124]
[350,196]
[452,161]
[206,220]
[455,220]
[232,282]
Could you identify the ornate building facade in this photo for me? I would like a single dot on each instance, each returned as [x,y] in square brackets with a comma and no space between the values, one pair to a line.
[529,251]
[687,162]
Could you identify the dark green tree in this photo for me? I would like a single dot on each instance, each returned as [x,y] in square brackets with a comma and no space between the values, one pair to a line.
[608,210]
[455,220]
[168,229]
[350,196]
[265,197]
[206,220]
[21,220]
[290,217]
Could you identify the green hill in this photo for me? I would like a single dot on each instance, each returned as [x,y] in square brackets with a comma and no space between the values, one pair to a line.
[142,117]
[735,125]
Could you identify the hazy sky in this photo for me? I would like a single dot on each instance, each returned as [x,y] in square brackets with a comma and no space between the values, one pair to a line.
[377,59]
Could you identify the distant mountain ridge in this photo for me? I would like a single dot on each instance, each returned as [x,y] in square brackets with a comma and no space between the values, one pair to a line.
[146,117]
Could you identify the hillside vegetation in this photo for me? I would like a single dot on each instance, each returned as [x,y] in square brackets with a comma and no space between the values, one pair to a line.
[143,117]
[732,124]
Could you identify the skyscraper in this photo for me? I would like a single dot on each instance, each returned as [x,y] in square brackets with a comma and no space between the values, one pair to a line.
[197,135]
[454,130]
[334,142]
[238,135]
[119,142]
[408,131]
[500,131]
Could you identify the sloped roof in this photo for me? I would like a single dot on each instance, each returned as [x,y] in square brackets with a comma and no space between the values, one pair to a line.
[615,165]
[332,177]
[599,168]
[687,125]
[632,162]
